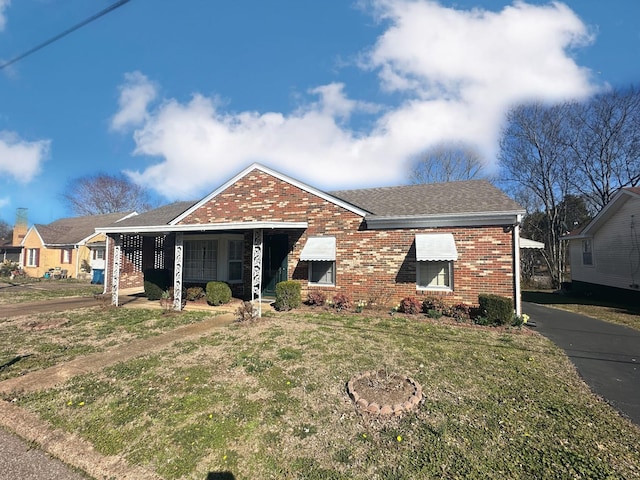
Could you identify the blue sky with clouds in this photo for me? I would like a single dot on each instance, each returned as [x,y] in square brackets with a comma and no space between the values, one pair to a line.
[339,94]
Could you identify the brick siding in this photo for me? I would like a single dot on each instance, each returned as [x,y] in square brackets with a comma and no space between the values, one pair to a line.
[370,264]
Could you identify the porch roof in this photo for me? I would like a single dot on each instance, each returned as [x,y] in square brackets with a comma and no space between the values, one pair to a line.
[202,227]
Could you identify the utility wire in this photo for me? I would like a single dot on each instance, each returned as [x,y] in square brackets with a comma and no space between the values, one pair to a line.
[110,8]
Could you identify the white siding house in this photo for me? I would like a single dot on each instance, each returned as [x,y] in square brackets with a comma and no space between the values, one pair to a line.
[606,253]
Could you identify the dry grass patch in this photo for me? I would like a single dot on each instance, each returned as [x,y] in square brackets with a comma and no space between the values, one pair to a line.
[269,401]
[34,342]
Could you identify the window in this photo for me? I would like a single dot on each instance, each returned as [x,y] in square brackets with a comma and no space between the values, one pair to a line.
[435,275]
[65,255]
[97,254]
[33,257]
[322,272]
[587,255]
[201,260]
[235,260]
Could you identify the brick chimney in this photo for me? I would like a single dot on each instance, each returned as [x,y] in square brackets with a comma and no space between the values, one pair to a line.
[20,228]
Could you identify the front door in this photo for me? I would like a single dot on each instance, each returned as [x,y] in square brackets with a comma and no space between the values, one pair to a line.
[274,262]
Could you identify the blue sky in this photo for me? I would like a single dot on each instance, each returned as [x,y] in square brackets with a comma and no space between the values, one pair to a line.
[182,95]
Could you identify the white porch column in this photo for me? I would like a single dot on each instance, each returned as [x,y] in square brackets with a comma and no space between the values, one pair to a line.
[256,269]
[516,266]
[177,272]
[115,272]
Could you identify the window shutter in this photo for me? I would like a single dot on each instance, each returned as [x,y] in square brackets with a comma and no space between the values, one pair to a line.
[62,256]
[37,257]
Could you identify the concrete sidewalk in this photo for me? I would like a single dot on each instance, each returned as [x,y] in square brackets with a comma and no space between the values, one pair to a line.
[606,355]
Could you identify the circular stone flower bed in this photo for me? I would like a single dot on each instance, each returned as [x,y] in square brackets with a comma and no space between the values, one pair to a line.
[382,393]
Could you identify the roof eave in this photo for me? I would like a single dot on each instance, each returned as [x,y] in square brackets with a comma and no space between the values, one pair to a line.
[203,227]
[449,220]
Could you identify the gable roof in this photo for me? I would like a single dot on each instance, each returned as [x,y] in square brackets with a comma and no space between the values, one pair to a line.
[158,216]
[75,230]
[474,202]
[278,175]
[619,199]
[451,198]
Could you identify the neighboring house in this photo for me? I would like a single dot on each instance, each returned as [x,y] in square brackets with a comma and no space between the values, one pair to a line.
[605,254]
[62,246]
[10,249]
[453,240]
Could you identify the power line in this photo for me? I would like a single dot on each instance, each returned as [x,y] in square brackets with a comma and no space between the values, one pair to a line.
[110,8]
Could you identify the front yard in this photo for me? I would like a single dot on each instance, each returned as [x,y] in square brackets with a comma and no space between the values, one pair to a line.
[269,401]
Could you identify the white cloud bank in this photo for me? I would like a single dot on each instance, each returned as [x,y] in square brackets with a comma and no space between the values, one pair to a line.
[458,72]
[3,19]
[19,158]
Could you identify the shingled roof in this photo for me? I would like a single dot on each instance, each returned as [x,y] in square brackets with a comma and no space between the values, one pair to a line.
[73,230]
[452,198]
[158,216]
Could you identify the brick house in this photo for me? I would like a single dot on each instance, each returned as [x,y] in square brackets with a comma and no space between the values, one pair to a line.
[454,240]
[61,246]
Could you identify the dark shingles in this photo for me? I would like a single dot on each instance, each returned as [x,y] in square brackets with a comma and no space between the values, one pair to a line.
[473,196]
[72,230]
[158,216]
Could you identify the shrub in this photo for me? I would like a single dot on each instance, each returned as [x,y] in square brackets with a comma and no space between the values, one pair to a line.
[156,282]
[218,293]
[499,310]
[246,313]
[461,312]
[287,295]
[410,305]
[316,298]
[434,303]
[435,314]
[194,293]
[341,301]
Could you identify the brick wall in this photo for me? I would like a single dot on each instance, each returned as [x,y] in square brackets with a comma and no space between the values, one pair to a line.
[369,263]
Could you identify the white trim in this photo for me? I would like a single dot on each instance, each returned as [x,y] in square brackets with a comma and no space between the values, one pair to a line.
[280,176]
[516,266]
[205,227]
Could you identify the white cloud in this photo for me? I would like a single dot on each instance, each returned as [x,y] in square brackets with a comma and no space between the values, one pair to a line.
[19,158]
[4,201]
[135,96]
[457,71]
[3,18]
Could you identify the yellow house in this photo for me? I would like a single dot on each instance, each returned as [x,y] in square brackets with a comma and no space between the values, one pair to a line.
[67,248]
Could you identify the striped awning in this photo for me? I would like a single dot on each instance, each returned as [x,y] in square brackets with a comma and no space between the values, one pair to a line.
[435,246]
[319,249]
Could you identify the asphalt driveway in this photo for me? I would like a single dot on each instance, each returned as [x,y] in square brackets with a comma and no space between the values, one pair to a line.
[606,355]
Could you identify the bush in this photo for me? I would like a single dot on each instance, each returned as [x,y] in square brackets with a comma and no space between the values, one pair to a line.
[341,301]
[246,313]
[410,305]
[287,295]
[435,314]
[316,298]
[434,303]
[498,310]
[461,312]
[156,282]
[218,293]
[194,293]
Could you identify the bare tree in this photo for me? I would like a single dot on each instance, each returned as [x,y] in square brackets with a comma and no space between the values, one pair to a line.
[6,230]
[604,145]
[103,193]
[532,157]
[447,162]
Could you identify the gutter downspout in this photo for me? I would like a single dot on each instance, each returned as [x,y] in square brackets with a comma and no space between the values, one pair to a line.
[516,266]
[106,266]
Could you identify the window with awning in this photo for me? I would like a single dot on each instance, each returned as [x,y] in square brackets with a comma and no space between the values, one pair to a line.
[435,254]
[320,253]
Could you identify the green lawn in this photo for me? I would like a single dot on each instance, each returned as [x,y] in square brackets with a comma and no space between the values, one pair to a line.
[35,289]
[269,401]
